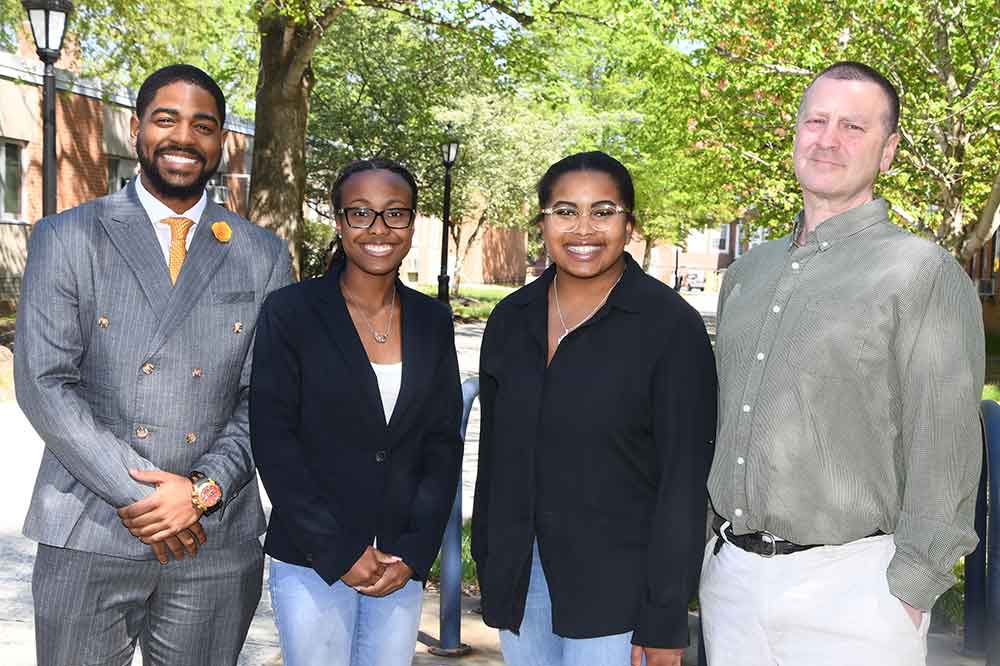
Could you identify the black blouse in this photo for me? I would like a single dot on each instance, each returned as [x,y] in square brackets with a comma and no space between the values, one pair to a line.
[602,457]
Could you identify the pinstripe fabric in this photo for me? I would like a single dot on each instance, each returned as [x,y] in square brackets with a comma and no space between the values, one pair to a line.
[93,608]
[116,368]
[97,310]
[850,371]
[179,227]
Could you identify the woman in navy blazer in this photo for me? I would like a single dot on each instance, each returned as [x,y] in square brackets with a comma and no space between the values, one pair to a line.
[355,406]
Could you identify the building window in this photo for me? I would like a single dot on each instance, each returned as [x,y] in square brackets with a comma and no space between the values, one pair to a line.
[10,180]
[120,171]
[720,239]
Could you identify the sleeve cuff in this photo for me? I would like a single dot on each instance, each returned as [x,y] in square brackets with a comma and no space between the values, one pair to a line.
[333,564]
[914,583]
[662,627]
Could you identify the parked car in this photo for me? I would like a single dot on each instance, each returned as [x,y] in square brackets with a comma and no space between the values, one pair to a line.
[695,280]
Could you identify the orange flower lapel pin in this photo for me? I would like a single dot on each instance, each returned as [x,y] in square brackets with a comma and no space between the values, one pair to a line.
[222,231]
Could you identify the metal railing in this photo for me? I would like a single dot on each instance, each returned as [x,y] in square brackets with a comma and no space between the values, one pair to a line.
[450,612]
[982,576]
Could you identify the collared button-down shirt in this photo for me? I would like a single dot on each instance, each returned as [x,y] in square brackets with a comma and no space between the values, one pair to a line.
[850,370]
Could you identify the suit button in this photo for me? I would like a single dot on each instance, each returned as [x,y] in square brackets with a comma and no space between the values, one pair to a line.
[191,438]
[197,372]
[141,432]
[309,558]
[147,368]
[380,456]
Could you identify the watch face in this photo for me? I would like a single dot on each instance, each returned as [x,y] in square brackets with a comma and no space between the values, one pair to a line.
[209,494]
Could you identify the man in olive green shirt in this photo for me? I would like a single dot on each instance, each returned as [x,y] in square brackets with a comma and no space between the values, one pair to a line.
[850,358]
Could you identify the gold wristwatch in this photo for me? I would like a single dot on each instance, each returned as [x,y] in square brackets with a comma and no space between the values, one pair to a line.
[206,495]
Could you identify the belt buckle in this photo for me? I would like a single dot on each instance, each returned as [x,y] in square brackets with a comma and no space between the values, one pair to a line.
[769,538]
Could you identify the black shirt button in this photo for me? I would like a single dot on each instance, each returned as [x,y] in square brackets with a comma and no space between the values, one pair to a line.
[380,456]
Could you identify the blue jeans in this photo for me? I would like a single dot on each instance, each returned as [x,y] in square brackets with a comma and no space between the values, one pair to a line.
[332,625]
[536,645]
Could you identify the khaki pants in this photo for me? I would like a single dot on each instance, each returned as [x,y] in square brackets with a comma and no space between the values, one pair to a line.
[826,606]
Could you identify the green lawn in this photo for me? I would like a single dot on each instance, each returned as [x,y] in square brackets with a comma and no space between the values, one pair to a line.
[472,303]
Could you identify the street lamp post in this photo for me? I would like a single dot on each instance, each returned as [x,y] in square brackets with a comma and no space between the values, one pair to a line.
[48,26]
[449,153]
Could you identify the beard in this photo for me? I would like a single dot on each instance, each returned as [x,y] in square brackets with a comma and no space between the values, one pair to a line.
[159,182]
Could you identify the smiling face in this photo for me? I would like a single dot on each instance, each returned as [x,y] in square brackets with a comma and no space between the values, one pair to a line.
[377,250]
[841,141]
[586,252]
[179,142]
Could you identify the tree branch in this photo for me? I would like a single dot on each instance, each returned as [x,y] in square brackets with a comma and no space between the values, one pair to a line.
[308,38]
[986,226]
[771,67]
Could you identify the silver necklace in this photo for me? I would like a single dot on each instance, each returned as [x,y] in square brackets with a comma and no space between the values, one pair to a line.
[562,321]
[380,338]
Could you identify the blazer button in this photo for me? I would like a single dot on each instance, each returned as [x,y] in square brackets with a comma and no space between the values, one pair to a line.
[191,438]
[380,456]
[197,372]
[147,368]
[309,558]
[141,432]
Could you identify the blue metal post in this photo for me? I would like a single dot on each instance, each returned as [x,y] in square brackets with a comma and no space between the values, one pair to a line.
[450,612]
[974,638]
[991,423]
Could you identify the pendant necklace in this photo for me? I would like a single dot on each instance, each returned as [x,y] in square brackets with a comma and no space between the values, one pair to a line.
[562,321]
[380,338]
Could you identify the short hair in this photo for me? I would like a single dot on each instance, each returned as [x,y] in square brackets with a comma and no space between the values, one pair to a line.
[848,70]
[172,74]
[594,160]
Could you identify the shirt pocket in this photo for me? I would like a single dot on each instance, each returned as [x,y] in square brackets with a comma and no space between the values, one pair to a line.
[829,337]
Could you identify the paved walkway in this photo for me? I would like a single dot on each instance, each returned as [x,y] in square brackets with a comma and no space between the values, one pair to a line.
[23,452]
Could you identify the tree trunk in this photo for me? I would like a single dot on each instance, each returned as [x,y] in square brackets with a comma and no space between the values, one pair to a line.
[647,254]
[462,255]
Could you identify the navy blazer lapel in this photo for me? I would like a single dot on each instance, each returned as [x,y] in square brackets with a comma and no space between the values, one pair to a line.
[126,223]
[203,260]
[418,350]
[333,312]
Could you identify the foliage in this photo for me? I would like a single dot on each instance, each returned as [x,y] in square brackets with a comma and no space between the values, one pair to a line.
[991,392]
[315,248]
[949,610]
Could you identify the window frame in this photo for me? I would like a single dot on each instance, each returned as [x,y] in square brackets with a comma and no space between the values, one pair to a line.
[5,216]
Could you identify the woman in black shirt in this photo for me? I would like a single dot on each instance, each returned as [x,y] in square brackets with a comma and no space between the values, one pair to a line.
[599,399]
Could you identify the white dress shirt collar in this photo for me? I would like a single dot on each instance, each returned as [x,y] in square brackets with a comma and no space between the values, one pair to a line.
[157,210]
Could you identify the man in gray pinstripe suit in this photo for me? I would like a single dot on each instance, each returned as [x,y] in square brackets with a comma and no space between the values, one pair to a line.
[133,362]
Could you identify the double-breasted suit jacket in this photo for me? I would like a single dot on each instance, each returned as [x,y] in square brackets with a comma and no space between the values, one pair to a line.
[339,476]
[116,368]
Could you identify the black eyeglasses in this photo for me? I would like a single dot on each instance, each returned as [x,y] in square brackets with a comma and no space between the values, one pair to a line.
[363,218]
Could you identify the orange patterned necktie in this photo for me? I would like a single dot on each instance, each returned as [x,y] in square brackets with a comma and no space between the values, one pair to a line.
[179,227]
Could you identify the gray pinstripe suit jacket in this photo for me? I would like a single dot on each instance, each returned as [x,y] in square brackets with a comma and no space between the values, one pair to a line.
[96,306]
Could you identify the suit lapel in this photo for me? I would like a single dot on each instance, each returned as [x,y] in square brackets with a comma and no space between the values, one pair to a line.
[131,232]
[332,311]
[417,354]
[203,260]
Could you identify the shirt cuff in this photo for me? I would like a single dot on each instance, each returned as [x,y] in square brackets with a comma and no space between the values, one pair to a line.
[662,627]
[914,583]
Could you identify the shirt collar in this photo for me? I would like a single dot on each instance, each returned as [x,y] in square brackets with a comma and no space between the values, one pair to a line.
[848,223]
[624,296]
[157,210]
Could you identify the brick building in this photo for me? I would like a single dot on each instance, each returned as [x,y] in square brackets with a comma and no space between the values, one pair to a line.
[94,153]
